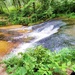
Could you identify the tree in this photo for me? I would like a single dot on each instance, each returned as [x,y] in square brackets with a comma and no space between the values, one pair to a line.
[3,5]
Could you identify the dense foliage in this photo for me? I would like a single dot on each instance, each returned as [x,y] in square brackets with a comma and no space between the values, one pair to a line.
[41,61]
[2,23]
[31,11]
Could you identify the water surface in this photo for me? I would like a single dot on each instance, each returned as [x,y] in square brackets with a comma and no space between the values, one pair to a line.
[53,34]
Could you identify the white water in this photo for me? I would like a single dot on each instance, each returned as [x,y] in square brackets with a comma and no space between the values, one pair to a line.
[46,32]
[39,33]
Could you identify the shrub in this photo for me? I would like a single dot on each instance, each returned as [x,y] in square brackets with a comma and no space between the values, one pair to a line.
[41,61]
[24,21]
[3,23]
[34,18]
[38,10]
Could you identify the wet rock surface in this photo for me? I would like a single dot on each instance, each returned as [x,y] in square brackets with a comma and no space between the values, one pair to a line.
[65,37]
[11,37]
[57,42]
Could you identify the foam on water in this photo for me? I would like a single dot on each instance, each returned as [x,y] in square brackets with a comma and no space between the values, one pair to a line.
[42,31]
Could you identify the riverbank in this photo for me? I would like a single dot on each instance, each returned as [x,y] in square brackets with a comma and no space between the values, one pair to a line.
[65,16]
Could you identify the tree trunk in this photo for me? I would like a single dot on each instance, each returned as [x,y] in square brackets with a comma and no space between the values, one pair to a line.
[34,7]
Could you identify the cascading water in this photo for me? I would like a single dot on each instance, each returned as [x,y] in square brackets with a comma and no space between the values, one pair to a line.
[40,32]
[54,35]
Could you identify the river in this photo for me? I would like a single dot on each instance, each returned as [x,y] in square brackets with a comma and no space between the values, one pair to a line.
[53,34]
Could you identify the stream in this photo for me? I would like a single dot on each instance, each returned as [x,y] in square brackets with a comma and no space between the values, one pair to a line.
[53,34]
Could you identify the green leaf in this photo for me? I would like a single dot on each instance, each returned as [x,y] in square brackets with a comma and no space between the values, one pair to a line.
[73,67]
[68,63]
[50,73]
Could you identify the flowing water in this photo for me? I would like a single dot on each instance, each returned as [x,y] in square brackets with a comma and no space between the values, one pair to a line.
[65,37]
[38,34]
[54,35]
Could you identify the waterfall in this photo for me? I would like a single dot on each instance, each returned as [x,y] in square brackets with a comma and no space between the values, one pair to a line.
[39,32]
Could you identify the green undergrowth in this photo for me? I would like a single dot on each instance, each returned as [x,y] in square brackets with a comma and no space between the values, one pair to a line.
[31,12]
[35,11]
[3,23]
[69,15]
[41,61]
